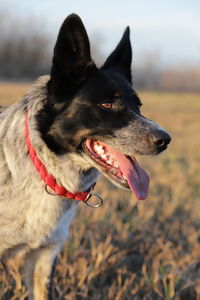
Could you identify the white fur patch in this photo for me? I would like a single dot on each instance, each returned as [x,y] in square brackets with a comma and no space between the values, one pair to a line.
[61,231]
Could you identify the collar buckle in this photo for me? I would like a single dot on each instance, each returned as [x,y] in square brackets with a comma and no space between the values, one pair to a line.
[99,200]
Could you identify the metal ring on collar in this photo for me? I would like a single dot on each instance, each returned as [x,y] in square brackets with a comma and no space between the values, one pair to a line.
[52,194]
[98,204]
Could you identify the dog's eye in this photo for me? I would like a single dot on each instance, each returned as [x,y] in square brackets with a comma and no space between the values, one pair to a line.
[107,106]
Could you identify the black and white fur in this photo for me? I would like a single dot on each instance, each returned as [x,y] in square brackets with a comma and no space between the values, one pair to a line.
[64,109]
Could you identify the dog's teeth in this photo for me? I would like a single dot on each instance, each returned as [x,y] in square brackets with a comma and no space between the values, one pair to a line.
[124,177]
[104,156]
[99,149]
[116,165]
[110,157]
[110,162]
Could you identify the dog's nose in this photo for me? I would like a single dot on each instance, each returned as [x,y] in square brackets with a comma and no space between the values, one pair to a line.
[160,139]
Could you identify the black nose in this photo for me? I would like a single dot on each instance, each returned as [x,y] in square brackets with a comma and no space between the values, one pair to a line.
[160,139]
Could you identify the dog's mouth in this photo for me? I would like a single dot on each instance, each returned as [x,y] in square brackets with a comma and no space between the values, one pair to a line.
[122,169]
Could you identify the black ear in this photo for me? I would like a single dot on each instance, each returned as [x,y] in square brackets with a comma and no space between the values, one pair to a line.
[72,60]
[120,59]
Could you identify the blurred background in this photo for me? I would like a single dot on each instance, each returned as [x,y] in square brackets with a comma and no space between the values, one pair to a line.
[127,249]
[165,37]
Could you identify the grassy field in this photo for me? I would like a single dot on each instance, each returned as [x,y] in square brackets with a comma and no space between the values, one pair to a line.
[127,249]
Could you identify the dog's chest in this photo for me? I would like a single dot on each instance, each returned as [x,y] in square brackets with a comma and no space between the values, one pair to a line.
[61,229]
[35,220]
[49,223]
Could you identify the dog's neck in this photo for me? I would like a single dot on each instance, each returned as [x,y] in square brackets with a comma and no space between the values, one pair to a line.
[49,179]
[73,171]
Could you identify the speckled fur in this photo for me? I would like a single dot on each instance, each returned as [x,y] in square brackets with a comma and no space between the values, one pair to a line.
[29,217]
[65,109]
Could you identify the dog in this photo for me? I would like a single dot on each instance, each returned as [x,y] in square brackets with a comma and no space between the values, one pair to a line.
[73,125]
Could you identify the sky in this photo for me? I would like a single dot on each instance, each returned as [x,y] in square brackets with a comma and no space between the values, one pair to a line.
[168,29]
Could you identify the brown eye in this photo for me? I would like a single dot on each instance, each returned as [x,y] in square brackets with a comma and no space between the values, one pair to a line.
[106,106]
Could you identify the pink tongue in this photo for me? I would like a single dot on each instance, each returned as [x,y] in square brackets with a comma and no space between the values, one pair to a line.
[136,176]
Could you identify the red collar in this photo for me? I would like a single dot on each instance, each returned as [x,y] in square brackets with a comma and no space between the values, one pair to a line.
[49,179]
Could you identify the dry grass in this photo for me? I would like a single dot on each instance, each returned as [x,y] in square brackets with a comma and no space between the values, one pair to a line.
[129,249]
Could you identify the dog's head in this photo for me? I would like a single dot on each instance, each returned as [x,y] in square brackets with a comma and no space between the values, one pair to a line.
[95,113]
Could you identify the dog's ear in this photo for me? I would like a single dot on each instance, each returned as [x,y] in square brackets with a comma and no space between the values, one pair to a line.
[120,59]
[72,60]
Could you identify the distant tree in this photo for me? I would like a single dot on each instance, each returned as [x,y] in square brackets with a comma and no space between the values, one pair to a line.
[24,50]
